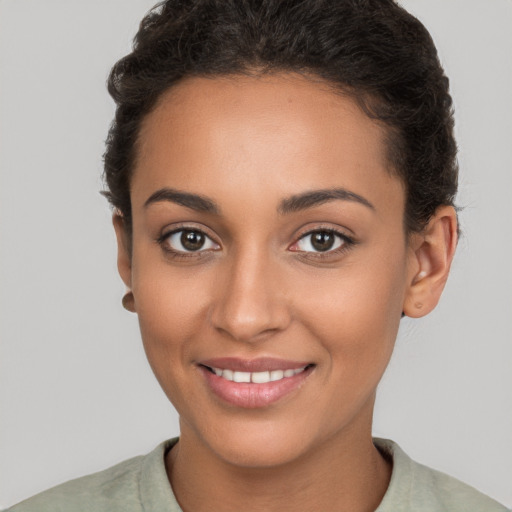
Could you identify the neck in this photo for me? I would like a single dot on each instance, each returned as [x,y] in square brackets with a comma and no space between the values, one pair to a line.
[346,472]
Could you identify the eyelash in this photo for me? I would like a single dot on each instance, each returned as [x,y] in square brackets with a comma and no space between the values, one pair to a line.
[175,254]
[346,244]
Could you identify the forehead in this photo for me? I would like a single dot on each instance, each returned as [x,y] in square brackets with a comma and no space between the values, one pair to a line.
[263,136]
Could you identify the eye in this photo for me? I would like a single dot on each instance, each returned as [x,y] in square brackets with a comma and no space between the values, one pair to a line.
[321,240]
[188,240]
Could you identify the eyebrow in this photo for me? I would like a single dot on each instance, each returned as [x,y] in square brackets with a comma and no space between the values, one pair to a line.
[316,197]
[292,204]
[192,201]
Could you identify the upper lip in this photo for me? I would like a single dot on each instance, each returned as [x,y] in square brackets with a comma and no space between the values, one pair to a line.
[261,364]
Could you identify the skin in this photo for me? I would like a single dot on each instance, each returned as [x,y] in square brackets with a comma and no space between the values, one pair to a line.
[259,289]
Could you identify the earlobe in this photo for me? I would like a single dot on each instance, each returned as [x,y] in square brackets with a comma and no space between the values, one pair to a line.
[431,257]
[124,264]
[128,301]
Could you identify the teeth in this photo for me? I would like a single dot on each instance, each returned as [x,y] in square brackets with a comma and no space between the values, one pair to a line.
[242,377]
[227,374]
[276,375]
[256,377]
[260,377]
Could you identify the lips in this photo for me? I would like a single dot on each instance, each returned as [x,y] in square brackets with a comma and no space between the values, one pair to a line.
[253,383]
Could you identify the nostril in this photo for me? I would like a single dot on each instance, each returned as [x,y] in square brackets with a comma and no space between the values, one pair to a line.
[250,306]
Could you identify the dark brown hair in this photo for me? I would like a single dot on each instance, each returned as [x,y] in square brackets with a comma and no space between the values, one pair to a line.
[371,49]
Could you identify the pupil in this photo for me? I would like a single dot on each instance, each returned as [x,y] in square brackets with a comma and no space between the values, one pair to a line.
[192,240]
[322,241]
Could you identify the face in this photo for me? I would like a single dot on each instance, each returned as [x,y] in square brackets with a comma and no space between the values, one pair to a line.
[268,248]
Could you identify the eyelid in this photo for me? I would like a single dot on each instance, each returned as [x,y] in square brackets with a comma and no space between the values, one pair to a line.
[187,226]
[177,228]
[207,241]
[347,242]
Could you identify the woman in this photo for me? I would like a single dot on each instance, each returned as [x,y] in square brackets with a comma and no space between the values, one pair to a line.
[283,181]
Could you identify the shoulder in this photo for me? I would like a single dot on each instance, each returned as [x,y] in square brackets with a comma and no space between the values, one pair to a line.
[113,489]
[120,488]
[417,487]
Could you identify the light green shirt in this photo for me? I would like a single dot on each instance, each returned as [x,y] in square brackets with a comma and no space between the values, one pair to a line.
[141,485]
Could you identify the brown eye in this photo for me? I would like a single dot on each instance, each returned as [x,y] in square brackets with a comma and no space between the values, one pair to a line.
[192,240]
[189,240]
[320,241]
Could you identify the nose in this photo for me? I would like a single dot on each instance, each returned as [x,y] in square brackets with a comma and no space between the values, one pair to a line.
[250,303]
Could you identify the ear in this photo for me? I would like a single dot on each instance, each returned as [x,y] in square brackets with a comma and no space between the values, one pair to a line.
[432,253]
[124,260]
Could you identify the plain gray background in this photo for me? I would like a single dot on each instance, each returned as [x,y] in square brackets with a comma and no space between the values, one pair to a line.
[77,394]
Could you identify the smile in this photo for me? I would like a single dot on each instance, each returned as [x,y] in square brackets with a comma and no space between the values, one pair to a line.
[253,384]
[256,377]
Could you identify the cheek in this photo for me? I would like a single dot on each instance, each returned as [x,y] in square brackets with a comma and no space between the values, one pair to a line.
[171,306]
[170,317]
[355,313]
[361,298]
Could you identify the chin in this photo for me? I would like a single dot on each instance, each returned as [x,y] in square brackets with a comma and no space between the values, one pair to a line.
[257,442]
[261,451]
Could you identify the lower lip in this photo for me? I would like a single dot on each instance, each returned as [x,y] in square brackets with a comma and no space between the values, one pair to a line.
[251,395]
